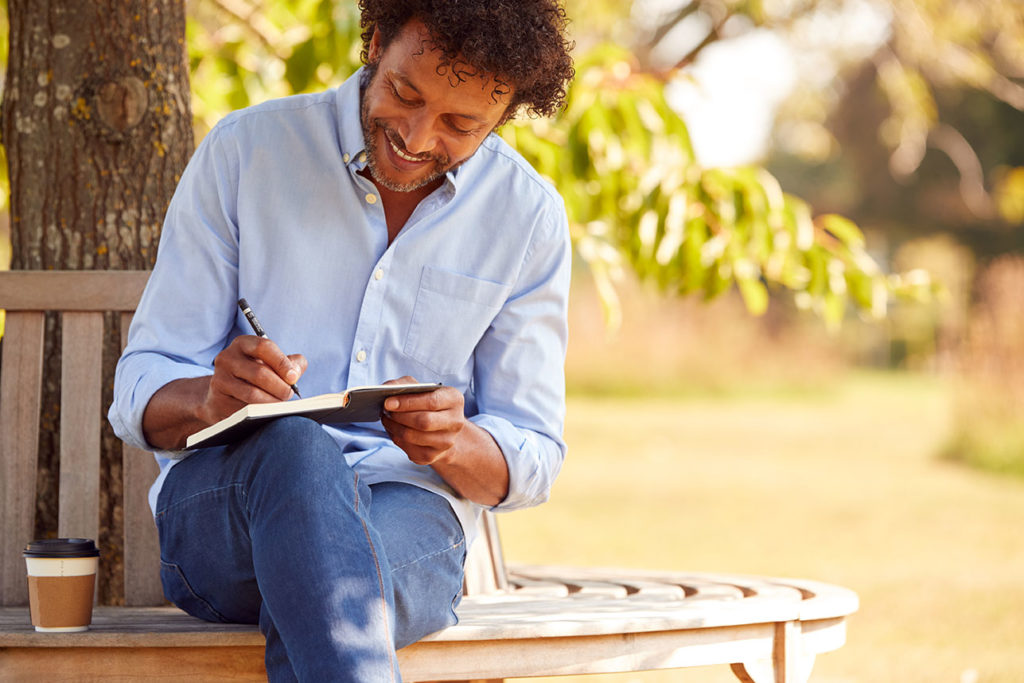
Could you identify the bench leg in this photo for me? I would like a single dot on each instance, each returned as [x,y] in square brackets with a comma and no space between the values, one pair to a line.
[789,664]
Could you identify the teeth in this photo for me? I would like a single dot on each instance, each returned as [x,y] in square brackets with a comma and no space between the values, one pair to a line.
[402,154]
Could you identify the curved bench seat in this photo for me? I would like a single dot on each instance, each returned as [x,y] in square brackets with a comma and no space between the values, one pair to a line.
[552,620]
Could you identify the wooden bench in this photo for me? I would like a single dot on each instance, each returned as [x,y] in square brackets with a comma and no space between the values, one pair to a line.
[514,621]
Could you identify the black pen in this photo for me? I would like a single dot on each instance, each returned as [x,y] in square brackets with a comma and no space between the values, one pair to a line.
[258,329]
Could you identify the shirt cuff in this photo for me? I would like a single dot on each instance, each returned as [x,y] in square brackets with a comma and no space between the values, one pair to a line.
[125,415]
[533,462]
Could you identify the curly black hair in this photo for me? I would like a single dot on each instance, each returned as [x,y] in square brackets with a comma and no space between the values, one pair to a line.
[522,42]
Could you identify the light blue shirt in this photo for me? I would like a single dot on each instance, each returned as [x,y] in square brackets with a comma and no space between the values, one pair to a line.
[472,292]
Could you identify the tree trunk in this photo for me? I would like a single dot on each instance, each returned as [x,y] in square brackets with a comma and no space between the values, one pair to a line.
[97,128]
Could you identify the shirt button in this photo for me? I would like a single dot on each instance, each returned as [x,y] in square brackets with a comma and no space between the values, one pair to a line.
[371,198]
[378,274]
[345,158]
[361,356]
[362,158]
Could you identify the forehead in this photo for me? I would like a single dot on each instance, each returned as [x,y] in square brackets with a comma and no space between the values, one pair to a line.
[414,56]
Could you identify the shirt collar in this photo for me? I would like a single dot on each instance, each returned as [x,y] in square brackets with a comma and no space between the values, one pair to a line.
[350,131]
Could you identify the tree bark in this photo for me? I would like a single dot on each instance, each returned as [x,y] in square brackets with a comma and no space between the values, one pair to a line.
[98,128]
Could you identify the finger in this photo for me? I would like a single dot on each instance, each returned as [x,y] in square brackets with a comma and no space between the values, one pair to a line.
[299,364]
[265,350]
[299,361]
[230,392]
[248,359]
[421,447]
[263,380]
[405,379]
[422,420]
[441,399]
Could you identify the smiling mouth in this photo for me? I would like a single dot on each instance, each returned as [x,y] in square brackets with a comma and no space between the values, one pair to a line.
[402,154]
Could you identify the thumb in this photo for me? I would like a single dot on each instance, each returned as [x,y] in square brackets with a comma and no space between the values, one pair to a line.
[299,365]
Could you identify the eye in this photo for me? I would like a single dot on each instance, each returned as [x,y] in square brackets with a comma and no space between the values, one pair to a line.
[401,100]
[459,129]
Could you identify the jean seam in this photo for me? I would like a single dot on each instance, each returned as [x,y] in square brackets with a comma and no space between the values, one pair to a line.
[176,568]
[178,503]
[428,556]
[376,564]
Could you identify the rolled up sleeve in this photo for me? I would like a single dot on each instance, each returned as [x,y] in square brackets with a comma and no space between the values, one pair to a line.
[184,316]
[520,379]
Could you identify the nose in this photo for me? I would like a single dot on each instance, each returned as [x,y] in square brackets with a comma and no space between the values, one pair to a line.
[419,137]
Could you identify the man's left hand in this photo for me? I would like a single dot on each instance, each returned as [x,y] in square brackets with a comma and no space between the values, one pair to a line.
[426,426]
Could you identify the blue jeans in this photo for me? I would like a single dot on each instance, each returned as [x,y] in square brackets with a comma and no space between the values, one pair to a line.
[278,530]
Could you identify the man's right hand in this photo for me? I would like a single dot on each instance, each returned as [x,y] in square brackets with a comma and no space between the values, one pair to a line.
[250,370]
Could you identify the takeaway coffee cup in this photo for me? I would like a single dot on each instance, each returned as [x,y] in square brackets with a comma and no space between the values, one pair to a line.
[61,583]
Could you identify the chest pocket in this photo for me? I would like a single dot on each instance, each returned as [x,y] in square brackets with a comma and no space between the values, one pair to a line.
[451,314]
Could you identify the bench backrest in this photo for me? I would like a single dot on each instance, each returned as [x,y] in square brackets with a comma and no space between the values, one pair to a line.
[81,299]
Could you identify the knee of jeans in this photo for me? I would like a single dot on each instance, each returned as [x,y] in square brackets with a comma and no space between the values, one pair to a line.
[278,443]
[295,453]
[290,430]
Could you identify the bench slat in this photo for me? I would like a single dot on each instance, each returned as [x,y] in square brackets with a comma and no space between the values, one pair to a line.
[141,545]
[80,415]
[485,566]
[21,384]
[76,290]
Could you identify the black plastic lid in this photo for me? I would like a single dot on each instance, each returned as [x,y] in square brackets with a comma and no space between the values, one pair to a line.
[61,547]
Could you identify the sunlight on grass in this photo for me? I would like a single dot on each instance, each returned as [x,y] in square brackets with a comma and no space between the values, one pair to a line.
[842,486]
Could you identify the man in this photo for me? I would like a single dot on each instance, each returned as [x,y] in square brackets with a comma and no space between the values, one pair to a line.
[381,233]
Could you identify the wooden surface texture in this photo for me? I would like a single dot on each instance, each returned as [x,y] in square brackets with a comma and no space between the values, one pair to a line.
[81,415]
[141,544]
[20,395]
[707,601]
[554,620]
[79,290]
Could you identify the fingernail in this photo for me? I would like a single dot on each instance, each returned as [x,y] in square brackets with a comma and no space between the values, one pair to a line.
[291,376]
[391,403]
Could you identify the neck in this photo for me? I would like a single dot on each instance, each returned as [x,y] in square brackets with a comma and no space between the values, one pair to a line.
[398,206]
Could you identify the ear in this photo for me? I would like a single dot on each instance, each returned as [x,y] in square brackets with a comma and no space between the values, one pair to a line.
[374,51]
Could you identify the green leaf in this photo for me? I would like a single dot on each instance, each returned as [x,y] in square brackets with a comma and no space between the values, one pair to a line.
[755,294]
[843,229]
[833,310]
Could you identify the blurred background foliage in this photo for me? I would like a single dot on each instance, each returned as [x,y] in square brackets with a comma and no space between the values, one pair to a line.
[619,153]
[900,125]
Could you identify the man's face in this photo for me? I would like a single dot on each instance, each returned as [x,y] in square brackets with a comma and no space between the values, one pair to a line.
[421,115]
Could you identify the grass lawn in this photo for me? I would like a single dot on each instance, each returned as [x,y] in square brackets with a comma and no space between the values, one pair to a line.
[839,485]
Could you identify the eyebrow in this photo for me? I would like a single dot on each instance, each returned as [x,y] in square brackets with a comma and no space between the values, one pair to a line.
[400,78]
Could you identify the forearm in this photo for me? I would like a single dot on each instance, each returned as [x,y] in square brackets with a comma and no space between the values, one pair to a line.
[475,467]
[174,412]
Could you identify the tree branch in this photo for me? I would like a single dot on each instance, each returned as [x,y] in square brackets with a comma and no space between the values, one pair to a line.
[249,17]
[713,35]
[1007,90]
[681,14]
[972,176]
